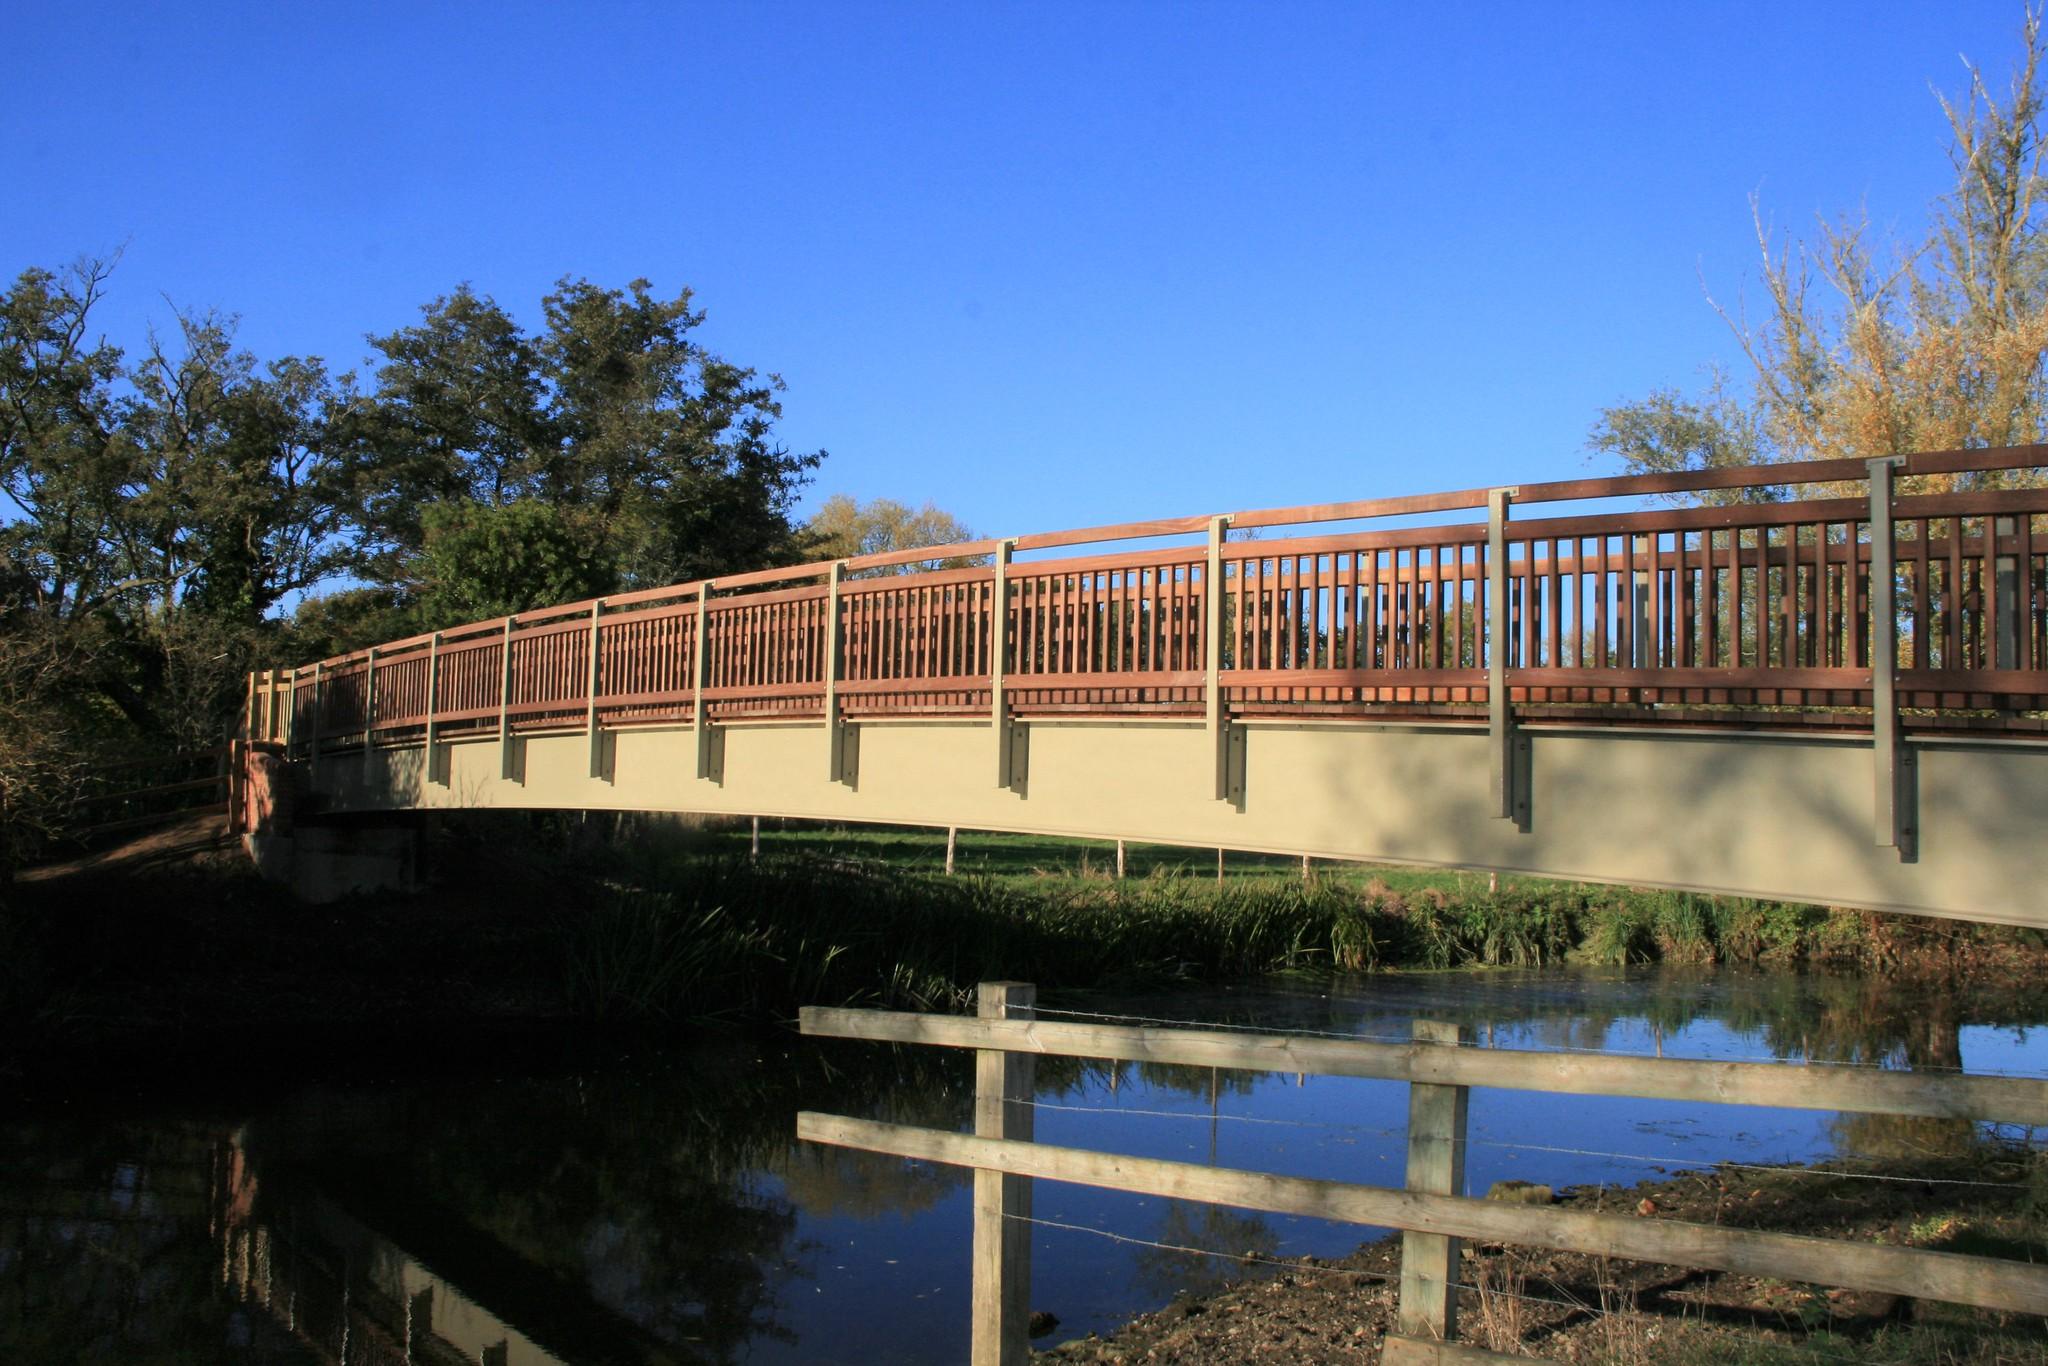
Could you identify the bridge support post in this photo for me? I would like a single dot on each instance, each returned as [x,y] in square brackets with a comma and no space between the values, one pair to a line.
[1436,1166]
[840,765]
[590,725]
[431,760]
[507,770]
[708,768]
[1893,827]
[369,700]
[998,664]
[313,741]
[1499,632]
[1002,1203]
[1212,679]
[291,710]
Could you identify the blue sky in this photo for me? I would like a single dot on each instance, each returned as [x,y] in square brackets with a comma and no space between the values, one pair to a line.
[1047,265]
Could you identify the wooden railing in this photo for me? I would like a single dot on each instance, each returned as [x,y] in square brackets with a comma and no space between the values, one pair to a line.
[1754,611]
[1432,1210]
[133,793]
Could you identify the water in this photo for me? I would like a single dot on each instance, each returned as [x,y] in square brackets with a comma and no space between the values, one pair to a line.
[658,1209]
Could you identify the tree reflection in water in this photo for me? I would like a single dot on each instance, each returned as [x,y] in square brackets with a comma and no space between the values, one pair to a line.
[659,1213]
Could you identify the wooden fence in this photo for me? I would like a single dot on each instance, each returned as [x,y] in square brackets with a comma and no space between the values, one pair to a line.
[1757,611]
[1432,1210]
[170,787]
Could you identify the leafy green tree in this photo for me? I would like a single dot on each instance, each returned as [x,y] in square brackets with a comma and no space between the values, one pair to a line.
[64,459]
[664,451]
[480,561]
[1868,347]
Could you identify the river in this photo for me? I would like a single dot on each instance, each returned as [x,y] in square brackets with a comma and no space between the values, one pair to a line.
[656,1208]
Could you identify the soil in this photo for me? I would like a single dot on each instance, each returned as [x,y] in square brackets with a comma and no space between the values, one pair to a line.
[1570,1307]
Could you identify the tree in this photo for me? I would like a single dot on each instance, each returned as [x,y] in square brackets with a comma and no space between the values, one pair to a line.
[480,561]
[659,452]
[843,528]
[1871,348]
[64,461]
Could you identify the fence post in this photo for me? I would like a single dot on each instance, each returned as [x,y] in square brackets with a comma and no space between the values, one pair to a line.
[238,753]
[1436,1166]
[700,666]
[313,740]
[433,704]
[835,727]
[505,767]
[1499,632]
[1212,664]
[369,699]
[1884,655]
[952,841]
[590,714]
[1002,1203]
[999,662]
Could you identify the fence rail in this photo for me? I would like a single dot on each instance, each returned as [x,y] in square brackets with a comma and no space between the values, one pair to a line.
[171,796]
[1766,612]
[1432,1211]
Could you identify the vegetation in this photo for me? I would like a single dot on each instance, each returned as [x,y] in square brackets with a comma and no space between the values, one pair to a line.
[844,527]
[1870,347]
[165,508]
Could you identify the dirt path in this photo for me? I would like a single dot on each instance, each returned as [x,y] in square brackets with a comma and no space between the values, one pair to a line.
[199,833]
[1573,1308]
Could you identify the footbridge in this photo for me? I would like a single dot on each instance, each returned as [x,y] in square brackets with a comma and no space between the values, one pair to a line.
[1818,682]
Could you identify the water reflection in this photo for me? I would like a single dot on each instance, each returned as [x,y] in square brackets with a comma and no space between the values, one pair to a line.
[660,1212]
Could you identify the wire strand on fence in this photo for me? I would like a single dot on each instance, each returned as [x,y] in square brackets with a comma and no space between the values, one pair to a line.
[1591,1311]
[1670,1160]
[1353,1037]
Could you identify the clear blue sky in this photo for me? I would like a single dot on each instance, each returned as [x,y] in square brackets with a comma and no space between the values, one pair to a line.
[1047,265]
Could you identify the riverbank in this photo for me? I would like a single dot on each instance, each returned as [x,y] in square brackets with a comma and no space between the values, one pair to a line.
[1567,1307]
[537,933]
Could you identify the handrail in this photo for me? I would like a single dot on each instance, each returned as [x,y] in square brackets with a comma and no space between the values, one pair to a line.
[1744,604]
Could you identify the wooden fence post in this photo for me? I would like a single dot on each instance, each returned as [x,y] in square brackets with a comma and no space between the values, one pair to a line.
[506,767]
[952,842]
[999,663]
[369,700]
[433,737]
[836,769]
[1119,860]
[700,670]
[1002,1203]
[1499,632]
[591,729]
[754,844]
[1213,715]
[1884,648]
[319,700]
[1436,1166]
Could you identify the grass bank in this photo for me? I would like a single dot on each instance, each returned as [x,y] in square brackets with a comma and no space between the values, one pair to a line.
[542,926]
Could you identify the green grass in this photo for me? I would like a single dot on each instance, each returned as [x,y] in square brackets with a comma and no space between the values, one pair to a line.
[1038,858]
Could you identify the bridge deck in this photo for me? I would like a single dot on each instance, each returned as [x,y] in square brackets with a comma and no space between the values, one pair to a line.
[1692,696]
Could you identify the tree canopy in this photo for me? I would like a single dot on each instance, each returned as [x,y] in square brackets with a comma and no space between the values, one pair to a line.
[1869,345]
[161,509]
[844,527]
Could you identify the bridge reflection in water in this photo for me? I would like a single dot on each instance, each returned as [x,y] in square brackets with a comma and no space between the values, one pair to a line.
[1696,697]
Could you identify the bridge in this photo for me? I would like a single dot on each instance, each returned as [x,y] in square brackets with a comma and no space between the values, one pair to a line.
[1819,682]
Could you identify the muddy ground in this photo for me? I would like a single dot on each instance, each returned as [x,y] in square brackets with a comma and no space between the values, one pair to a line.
[1573,1308]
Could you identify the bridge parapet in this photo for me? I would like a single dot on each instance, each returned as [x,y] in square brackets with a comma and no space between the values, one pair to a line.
[1760,614]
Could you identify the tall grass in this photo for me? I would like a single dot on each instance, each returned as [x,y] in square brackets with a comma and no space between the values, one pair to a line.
[691,936]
